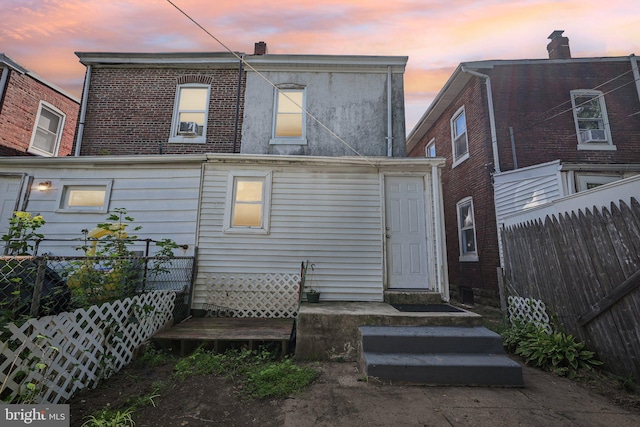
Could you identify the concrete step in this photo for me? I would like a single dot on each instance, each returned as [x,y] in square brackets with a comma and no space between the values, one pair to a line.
[430,339]
[445,369]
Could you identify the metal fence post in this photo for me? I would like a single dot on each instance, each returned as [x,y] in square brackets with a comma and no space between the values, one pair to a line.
[37,290]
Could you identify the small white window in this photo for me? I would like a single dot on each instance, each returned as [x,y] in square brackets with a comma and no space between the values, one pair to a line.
[467,230]
[592,124]
[459,141]
[289,117]
[248,202]
[430,149]
[84,196]
[587,182]
[47,132]
[190,113]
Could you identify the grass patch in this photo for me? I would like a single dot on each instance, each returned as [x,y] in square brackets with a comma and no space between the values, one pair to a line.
[260,373]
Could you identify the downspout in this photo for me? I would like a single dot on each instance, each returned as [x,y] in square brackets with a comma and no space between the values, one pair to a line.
[83,110]
[636,74]
[3,83]
[389,117]
[235,130]
[492,118]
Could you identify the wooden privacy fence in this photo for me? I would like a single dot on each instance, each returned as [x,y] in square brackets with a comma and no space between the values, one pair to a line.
[585,266]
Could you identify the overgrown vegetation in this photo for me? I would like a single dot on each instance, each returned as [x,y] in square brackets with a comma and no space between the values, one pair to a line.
[555,351]
[261,373]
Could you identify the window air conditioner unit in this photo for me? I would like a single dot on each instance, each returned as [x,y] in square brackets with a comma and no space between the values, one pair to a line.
[593,135]
[188,129]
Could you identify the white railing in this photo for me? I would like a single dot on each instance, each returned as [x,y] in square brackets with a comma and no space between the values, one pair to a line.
[61,354]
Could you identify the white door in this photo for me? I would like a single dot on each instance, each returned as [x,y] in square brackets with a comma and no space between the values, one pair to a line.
[9,193]
[405,232]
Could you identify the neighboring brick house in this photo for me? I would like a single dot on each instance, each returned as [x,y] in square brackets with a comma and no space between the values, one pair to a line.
[577,116]
[36,117]
[189,103]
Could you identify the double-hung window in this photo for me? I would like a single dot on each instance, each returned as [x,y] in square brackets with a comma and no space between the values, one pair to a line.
[592,124]
[289,117]
[430,149]
[248,202]
[190,113]
[467,230]
[459,140]
[45,139]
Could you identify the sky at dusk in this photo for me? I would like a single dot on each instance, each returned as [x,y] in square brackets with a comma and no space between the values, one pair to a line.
[436,35]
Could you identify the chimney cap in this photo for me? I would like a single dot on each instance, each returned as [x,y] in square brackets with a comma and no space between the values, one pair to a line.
[555,34]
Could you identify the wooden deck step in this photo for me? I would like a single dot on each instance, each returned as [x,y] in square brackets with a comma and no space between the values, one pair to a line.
[220,331]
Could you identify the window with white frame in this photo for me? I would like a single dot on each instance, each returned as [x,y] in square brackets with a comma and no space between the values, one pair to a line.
[248,202]
[289,118]
[592,124]
[587,182]
[84,196]
[190,113]
[430,149]
[459,140]
[467,230]
[47,132]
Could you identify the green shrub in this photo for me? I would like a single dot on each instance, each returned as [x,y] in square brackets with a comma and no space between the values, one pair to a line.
[555,352]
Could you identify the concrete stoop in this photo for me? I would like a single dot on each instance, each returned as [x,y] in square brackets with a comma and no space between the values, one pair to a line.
[437,355]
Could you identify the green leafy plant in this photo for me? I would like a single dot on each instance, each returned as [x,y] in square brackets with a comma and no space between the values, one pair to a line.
[109,418]
[555,352]
[22,233]
[278,379]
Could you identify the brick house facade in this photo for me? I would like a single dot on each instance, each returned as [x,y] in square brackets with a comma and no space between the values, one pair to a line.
[36,117]
[132,102]
[525,112]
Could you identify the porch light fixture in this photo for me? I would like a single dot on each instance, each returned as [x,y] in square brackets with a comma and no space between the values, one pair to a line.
[44,186]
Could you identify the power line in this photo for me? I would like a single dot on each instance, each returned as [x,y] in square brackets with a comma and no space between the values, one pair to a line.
[247,65]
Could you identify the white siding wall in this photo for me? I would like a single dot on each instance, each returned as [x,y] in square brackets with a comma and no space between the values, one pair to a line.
[330,217]
[163,200]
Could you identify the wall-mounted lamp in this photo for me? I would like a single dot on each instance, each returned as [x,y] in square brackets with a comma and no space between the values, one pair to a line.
[44,186]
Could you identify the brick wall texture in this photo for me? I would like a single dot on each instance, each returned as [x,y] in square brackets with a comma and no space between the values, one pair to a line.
[129,111]
[19,109]
[533,99]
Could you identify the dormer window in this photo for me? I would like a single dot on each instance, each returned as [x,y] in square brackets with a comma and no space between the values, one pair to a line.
[592,124]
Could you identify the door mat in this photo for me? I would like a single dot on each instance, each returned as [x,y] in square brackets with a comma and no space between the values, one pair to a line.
[420,308]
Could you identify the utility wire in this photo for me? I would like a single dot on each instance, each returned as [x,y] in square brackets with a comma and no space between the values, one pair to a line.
[247,65]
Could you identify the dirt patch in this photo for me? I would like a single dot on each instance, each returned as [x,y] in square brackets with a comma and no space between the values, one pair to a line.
[195,401]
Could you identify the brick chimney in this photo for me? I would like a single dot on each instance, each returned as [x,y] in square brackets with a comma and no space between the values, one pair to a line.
[558,47]
[260,48]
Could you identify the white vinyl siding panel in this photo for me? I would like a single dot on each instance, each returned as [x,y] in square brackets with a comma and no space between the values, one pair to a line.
[162,200]
[332,219]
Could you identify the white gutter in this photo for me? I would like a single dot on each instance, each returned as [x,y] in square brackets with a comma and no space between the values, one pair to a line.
[389,112]
[83,110]
[636,74]
[492,118]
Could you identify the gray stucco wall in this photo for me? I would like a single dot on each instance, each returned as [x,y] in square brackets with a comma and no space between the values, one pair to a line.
[353,105]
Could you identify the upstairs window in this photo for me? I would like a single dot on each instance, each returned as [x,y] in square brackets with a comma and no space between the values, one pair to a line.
[289,117]
[592,124]
[467,230]
[47,133]
[430,149]
[460,145]
[248,202]
[190,113]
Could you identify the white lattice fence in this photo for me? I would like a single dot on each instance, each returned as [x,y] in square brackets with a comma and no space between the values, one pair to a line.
[79,348]
[526,310]
[272,295]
